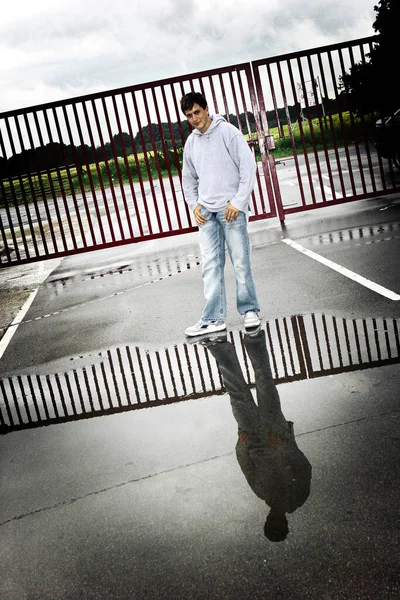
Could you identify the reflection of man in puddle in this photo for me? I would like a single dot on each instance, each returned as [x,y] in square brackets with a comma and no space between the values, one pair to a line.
[276,470]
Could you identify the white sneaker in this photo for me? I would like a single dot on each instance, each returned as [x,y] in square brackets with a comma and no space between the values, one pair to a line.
[251,319]
[203,328]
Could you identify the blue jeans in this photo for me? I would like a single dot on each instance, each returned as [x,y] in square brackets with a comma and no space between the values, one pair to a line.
[212,238]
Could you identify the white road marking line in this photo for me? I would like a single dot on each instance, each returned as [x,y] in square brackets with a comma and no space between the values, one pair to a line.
[375,287]
[329,191]
[6,339]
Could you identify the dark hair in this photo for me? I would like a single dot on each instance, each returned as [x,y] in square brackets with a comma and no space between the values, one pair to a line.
[276,527]
[188,100]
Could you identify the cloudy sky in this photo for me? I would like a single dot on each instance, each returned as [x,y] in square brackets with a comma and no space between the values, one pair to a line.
[54,49]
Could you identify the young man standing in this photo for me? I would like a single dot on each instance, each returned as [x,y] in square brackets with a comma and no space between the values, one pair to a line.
[218,177]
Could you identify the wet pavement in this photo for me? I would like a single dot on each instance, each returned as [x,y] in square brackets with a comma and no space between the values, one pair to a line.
[119,472]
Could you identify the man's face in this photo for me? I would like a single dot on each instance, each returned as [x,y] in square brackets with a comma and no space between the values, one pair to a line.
[198,118]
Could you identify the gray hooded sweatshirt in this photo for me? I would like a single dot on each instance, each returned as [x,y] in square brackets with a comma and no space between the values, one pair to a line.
[218,167]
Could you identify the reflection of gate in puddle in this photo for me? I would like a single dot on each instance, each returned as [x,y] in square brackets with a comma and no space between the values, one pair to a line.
[128,378]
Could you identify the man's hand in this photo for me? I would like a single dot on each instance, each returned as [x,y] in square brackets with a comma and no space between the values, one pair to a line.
[199,218]
[231,213]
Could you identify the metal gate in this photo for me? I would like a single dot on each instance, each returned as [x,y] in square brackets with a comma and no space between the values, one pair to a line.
[331,155]
[130,378]
[105,169]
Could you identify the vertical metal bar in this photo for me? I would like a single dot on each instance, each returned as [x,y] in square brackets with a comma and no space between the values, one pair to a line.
[33,396]
[322,131]
[357,338]
[61,394]
[109,175]
[281,348]
[275,203]
[171,372]
[305,348]
[137,164]
[16,204]
[222,86]
[327,342]
[146,160]
[59,179]
[199,368]
[70,182]
[97,386]
[346,337]
[214,97]
[24,399]
[246,116]
[189,366]
[178,360]
[285,326]
[10,224]
[106,386]
[337,341]
[301,130]
[182,135]
[28,212]
[363,123]
[7,404]
[161,372]
[272,353]
[332,132]
[88,390]
[353,127]
[15,399]
[44,195]
[6,248]
[157,164]
[311,130]
[388,348]
[273,95]
[152,378]
[366,336]
[166,158]
[71,396]
[139,357]
[376,337]
[396,335]
[52,396]
[82,187]
[78,387]
[176,155]
[128,170]
[42,397]
[233,92]
[132,372]
[116,163]
[90,178]
[124,381]
[342,127]
[99,178]
[114,378]
[298,346]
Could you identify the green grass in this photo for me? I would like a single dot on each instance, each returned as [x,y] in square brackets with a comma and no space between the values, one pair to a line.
[109,173]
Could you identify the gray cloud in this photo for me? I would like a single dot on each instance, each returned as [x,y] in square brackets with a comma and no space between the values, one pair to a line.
[61,49]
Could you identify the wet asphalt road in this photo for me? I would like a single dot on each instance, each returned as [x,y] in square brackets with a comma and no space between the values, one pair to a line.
[147,295]
[151,504]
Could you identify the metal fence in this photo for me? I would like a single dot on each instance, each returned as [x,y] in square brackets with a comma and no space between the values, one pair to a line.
[105,169]
[130,378]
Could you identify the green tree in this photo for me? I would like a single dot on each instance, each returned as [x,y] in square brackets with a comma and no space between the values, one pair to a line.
[373,83]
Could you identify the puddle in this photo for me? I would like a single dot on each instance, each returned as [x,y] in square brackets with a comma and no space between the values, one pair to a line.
[132,377]
[375,233]
[142,269]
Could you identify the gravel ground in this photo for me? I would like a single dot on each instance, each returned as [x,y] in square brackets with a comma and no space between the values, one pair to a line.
[16,285]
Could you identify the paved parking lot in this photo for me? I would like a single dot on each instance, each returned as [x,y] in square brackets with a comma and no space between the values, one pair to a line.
[132,490]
